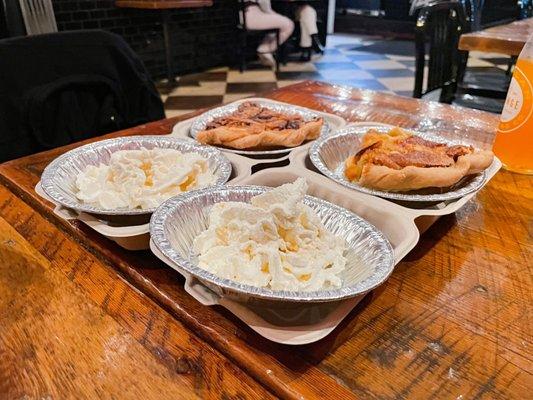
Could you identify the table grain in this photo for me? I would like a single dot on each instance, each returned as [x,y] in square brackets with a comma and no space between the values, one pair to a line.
[506,39]
[72,327]
[451,322]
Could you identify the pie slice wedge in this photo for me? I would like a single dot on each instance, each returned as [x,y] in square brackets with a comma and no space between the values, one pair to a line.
[253,126]
[398,161]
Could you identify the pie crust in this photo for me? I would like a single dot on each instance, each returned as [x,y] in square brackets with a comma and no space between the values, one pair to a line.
[252,126]
[398,161]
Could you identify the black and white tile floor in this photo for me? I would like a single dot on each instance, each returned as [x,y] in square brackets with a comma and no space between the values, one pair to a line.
[353,60]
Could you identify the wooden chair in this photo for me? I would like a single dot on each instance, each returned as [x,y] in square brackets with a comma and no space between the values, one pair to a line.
[38,16]
[243,33]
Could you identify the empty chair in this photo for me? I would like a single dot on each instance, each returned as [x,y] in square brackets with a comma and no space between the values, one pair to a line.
[474,9]
[522,9]
[38,16]
[497,82]
[525,9]
[438,29]
[64,87]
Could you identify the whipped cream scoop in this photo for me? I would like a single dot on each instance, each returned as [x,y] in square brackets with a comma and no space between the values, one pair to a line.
[142,178]
[274,241]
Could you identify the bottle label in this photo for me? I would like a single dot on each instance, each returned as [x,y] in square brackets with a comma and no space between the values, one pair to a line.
[517,109]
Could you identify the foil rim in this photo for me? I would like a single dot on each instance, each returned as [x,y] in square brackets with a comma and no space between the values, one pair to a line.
[382,269]
[202,120]
[316,157]
[51,187]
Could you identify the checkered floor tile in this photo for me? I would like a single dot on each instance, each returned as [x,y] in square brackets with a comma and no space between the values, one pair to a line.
[368,62]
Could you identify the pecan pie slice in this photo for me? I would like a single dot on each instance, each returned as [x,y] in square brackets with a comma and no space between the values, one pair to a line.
[253,126]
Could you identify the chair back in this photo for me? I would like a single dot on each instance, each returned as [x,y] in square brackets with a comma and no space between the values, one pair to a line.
[525,9]
[38,16]
[438,28]
[473,10]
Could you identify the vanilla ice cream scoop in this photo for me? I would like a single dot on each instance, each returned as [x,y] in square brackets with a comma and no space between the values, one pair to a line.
[142,178]
[276,241]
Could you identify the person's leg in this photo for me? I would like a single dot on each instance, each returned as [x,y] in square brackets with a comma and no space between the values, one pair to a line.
[308,23]
[257,19]
[285,26]
[307,17]
[305,36]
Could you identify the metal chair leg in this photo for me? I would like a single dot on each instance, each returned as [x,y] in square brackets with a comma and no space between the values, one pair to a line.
[171,81]
[420,52]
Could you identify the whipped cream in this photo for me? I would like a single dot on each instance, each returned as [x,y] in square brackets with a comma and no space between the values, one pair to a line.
[276,241]
[142,178]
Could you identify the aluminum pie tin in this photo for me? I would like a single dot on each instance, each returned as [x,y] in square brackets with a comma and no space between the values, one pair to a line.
[201,122]
[175,224]
[59,178]
[328,155]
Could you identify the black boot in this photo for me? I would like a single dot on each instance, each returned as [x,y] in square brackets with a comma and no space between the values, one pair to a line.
[317,46]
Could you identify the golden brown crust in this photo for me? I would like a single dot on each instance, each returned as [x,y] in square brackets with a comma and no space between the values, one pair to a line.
[253,126]
[411,178]
[400,163]
[252,137]
[479,161]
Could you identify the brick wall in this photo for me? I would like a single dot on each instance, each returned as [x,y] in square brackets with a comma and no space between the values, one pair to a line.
[202,37]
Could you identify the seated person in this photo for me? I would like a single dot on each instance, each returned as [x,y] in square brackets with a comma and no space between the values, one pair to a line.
[259,15]
[306,15]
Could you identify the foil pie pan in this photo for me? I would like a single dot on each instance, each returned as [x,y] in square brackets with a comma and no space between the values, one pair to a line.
[201,122]
[328,155]
[59,178]
[176,223]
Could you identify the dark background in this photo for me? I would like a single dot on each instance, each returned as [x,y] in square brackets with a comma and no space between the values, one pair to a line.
[206,37]
[394,16]
[202,37]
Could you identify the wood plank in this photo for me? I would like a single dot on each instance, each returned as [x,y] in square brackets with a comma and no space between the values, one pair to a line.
[451,321]
[71,327]
[506,39]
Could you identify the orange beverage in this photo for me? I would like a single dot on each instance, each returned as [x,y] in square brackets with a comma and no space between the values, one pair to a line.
[514,140]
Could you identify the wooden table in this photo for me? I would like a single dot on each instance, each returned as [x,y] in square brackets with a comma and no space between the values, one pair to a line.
[505,39]
[81,316]
[165,6]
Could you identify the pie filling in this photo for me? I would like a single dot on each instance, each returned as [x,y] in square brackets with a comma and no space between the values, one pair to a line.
[398,149]
[253,115]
